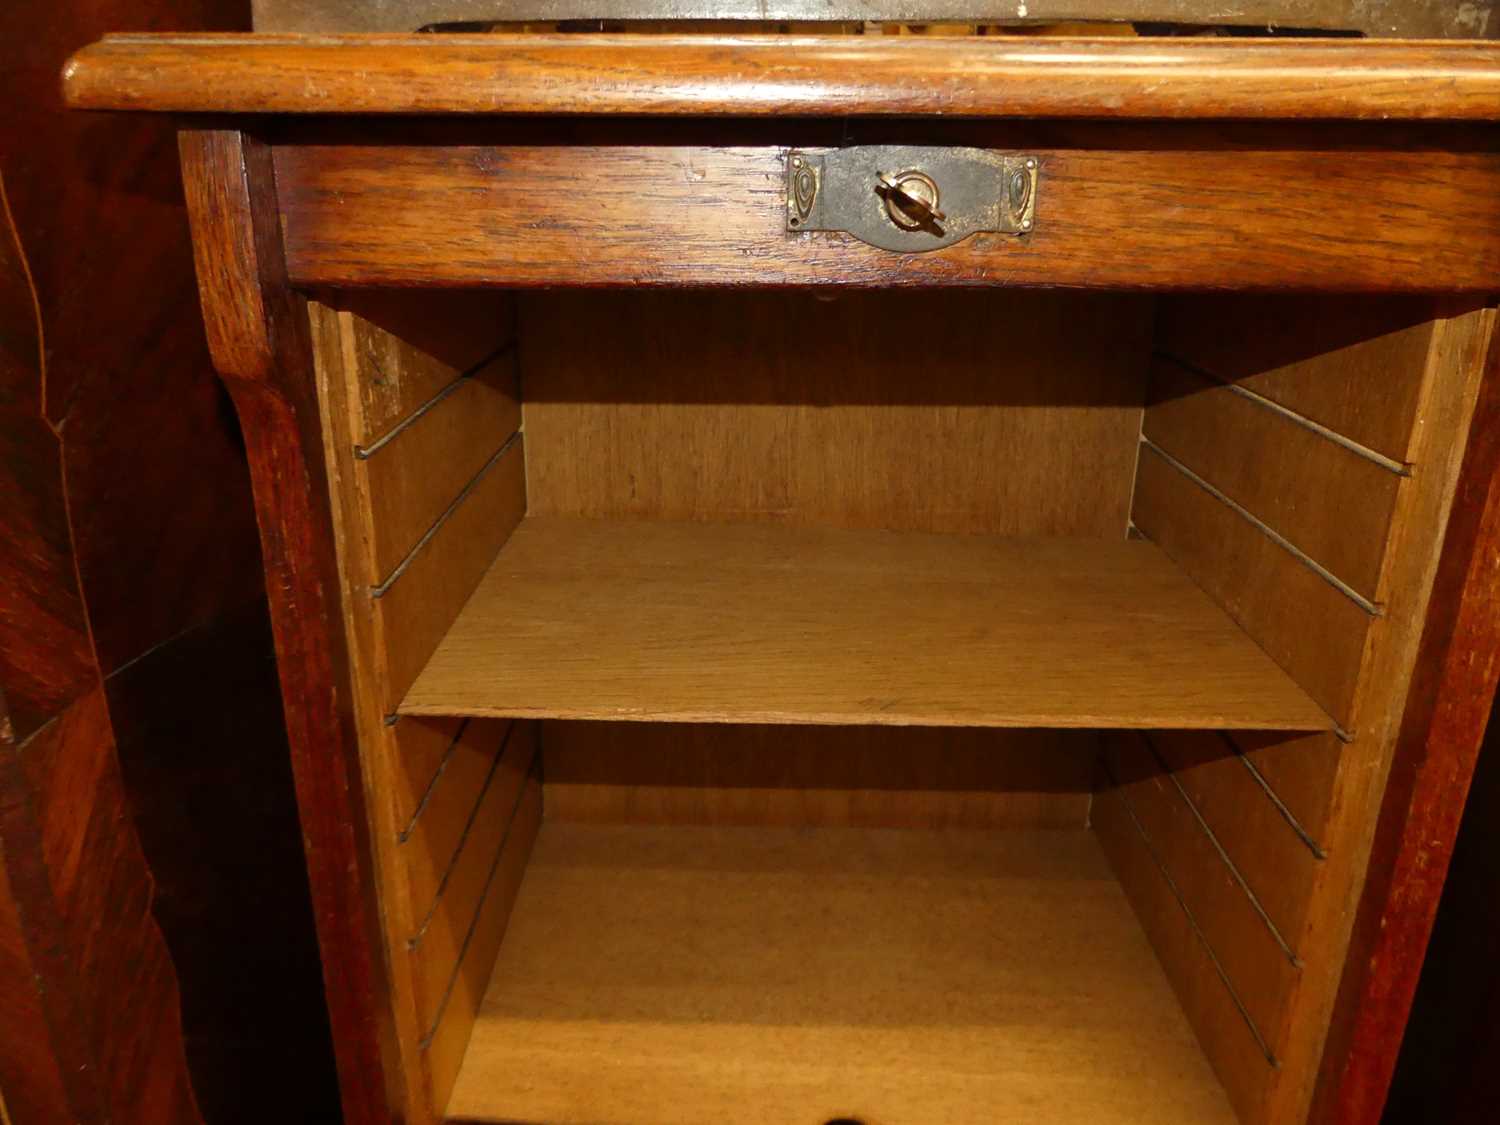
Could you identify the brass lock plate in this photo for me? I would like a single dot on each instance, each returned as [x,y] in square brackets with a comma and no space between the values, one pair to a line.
[909,197]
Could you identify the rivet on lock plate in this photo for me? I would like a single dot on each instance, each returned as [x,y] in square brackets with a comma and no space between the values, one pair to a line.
[910,198]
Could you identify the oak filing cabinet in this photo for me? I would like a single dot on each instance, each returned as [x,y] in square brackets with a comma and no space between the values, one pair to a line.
[893,579]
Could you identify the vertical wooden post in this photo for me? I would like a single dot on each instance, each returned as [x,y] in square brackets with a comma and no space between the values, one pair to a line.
[259,339]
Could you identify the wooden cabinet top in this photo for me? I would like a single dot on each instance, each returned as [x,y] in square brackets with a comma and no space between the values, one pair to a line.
[774,75]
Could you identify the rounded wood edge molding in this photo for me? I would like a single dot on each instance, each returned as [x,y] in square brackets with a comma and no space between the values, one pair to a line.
[1320,79]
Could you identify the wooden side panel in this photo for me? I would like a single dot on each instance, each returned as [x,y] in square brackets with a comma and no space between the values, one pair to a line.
[405,347]
[423,746]
[449,1037]
[1185,207]
[1018,417]
[1328,568]
[1353,364]
[868,777]
[1311,629]
[1333,504]
[1252,955]
[427,478]
[438,939]
[105,1041]
[1299,769]
[438,452]
[417,609]
[449,811]
[1429,701]
[1223,1032]
[1220,786]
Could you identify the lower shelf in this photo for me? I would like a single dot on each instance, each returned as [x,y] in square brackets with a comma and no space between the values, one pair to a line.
[752,976]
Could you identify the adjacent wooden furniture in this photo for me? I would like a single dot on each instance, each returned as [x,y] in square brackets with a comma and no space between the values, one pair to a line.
[136,661]
[826,523]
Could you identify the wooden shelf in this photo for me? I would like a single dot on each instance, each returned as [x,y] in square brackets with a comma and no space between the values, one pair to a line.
[750,623]
[675,976]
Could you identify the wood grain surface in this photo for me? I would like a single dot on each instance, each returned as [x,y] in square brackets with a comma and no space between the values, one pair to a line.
[676,204]
[1222,1032]
[837,777]
[747,623]
[411,478]
[766,975]
[788,75]
[392,391]
[1320,358]
[1263,975]
[1447,706]
[258,336]
[1332,504]
[1019,417]
[91,1030]
[1375,17]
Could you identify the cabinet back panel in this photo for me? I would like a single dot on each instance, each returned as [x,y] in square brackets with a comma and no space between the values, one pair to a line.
[967,411]
[862,777]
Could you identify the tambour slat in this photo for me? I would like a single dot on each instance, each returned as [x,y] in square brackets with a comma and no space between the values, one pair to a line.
[1277,864]
[1315,632]
[448,1038]
[426,462]
[1260,971]
[1352,364]
[423,601]
[419,748]
[442,929]
[1223,1032]
[430,844]
[1333,504]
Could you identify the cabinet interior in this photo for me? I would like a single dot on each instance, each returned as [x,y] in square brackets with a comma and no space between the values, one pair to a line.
[942,706]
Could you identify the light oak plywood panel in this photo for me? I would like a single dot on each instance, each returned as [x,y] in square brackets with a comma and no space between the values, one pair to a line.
[747,623]
[1333,504]
[1311,629]
[1353,364]
[867,777]
[1222,1031]
[1018,416]
[674,976]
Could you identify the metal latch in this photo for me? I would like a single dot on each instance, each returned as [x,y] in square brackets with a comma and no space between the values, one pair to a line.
[910,198]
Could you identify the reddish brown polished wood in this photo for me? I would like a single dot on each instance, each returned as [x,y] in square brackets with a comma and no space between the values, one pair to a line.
[782,75]
[1447,707]
[1118,205]
[257,334]
[91,1031]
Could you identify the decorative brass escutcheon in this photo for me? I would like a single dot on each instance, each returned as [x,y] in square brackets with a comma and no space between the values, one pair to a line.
[909,198]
